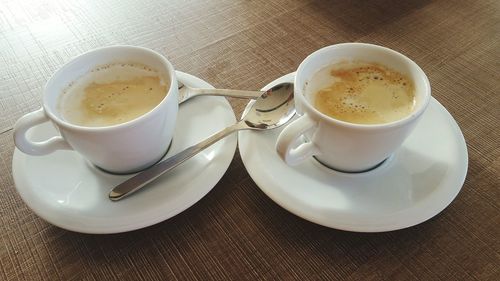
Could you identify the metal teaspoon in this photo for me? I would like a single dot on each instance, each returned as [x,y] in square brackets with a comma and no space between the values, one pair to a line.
[272,109]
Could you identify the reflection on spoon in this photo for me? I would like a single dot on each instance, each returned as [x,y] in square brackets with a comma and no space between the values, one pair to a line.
[272,109]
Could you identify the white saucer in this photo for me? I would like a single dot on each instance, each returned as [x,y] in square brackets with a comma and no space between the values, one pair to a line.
[67,191]
[417,182]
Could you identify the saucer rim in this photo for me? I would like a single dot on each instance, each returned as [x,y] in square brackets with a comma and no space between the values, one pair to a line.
[429,208]
[50,213]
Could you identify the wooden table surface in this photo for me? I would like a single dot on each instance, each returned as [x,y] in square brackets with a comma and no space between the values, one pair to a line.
[236,232]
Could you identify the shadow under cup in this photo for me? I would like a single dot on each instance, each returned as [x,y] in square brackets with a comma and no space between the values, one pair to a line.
[351,147]
[126,147]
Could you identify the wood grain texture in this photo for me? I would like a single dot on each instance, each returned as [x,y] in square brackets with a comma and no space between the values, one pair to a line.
[236,232]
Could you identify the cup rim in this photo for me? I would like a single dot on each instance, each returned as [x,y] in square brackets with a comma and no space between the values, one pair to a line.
[170,72]
[400,122]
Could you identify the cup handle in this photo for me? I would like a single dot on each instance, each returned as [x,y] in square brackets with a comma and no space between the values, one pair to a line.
[290,147]
[36,148]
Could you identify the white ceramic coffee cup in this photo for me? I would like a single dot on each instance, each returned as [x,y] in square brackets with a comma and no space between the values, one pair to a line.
[122,148]
[342,145]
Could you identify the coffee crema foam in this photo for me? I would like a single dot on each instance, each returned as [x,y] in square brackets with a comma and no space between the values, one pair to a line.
[364,93]
[112,94]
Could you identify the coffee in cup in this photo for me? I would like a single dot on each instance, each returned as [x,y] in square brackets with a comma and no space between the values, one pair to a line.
[363,93]
[112,94]
[357,103]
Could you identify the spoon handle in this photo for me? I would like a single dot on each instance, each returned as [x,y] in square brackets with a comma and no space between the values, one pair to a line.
[186,93]
[227,93]
[141,179]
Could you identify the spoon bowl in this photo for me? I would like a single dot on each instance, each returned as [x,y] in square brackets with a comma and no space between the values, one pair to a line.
[270,110]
